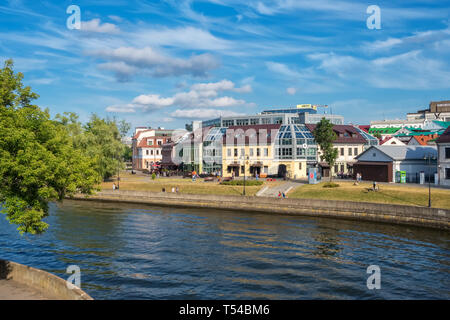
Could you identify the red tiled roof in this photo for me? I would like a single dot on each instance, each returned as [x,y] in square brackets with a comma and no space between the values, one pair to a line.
[445,137]
[264,134]
[353,135]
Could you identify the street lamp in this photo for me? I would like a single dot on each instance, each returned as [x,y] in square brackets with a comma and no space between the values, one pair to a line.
[429,157]
[245,158]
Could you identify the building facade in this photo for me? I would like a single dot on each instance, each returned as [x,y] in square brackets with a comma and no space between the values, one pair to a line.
[147,147]
[443,146]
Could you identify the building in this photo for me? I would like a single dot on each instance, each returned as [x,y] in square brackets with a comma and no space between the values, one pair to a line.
[437,111]
[443,146]
[381,163]
[388,141]
[249,150]
[302,114]
[147,147]
[350,142]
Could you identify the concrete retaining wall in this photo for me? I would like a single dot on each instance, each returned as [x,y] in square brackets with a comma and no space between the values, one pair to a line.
[47,283]
[394,214]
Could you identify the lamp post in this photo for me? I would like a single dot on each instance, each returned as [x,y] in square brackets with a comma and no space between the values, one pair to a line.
[429,157]
[245,160]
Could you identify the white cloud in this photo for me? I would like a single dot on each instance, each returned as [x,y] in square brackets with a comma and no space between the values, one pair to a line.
[291,91]
[201,95]
[128,61]
[202,113]
[95,25]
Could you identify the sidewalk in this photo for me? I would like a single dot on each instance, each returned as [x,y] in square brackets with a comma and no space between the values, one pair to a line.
[273,192]
[12,290]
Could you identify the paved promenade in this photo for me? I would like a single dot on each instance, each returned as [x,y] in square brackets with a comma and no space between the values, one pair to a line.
[273,191]
[13,290]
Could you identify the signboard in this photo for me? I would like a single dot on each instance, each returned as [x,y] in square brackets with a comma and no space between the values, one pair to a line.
[402,176]
[306,106]
[313,177]
[422,177]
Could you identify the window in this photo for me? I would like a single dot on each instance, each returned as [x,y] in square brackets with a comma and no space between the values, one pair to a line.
[300,166]
[355,151]
[242,169]
[229,152]
[151,152]
[242,122]
[349,151]
[447,173]
[258,153]
[336,168]
[242,152]
[228,123]
[266,169]
[146,152]
[159,142]
[342,168]
[251,152]
[235,152]
[149,142]
[254,121]
[342,151]
[265,120]
[266,152]
[447,153]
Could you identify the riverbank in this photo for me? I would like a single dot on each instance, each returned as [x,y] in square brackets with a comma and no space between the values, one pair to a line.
[411,195]
[20,282]
[363,211]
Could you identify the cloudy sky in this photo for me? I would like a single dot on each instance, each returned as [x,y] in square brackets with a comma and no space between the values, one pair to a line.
[166,63]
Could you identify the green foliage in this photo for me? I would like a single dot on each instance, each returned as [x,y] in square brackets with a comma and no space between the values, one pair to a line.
[38,160]
[330,185]
[325,136]
[99,139]
[153,176]
[241,182]
[127,153]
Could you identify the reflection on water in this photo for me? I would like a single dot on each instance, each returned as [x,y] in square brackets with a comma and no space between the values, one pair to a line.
[142,252]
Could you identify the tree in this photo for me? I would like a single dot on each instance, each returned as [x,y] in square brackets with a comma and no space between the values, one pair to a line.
[38,161]
[325,136]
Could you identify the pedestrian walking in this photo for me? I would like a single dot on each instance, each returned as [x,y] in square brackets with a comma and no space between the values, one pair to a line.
[114,186]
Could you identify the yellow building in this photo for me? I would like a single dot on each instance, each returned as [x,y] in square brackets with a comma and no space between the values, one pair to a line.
[249,150]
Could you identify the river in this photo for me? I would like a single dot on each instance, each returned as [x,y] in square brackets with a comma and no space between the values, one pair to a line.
[146,252]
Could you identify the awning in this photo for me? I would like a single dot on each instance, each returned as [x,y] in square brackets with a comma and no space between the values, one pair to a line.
[257,164]
[324,165]
[234,165]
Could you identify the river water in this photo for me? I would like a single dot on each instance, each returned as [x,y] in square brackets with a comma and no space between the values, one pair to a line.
[143,252]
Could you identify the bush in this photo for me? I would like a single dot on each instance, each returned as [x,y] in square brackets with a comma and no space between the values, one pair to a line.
[330,185]
[241,183]
[153,176]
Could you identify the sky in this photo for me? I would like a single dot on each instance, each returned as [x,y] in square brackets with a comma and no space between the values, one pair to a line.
[166,63]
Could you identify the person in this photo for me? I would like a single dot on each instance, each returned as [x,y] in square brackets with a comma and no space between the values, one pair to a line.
[173,189]
[114,186]
[256,176]
[279,194]
[177,190]
[375,187]
[284,196]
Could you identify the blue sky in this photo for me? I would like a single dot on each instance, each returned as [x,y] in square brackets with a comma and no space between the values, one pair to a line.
[166,63]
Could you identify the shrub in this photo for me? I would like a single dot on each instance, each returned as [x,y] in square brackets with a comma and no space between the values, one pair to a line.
[153,176]
[330,185]
[241,183]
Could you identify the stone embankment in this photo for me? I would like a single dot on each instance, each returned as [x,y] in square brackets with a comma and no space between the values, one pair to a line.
[377,212]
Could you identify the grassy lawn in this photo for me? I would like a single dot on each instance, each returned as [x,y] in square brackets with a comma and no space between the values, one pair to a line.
[394,194]
[145,183]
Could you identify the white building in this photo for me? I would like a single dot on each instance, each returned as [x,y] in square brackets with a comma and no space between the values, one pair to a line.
[381,163]
[443,145]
